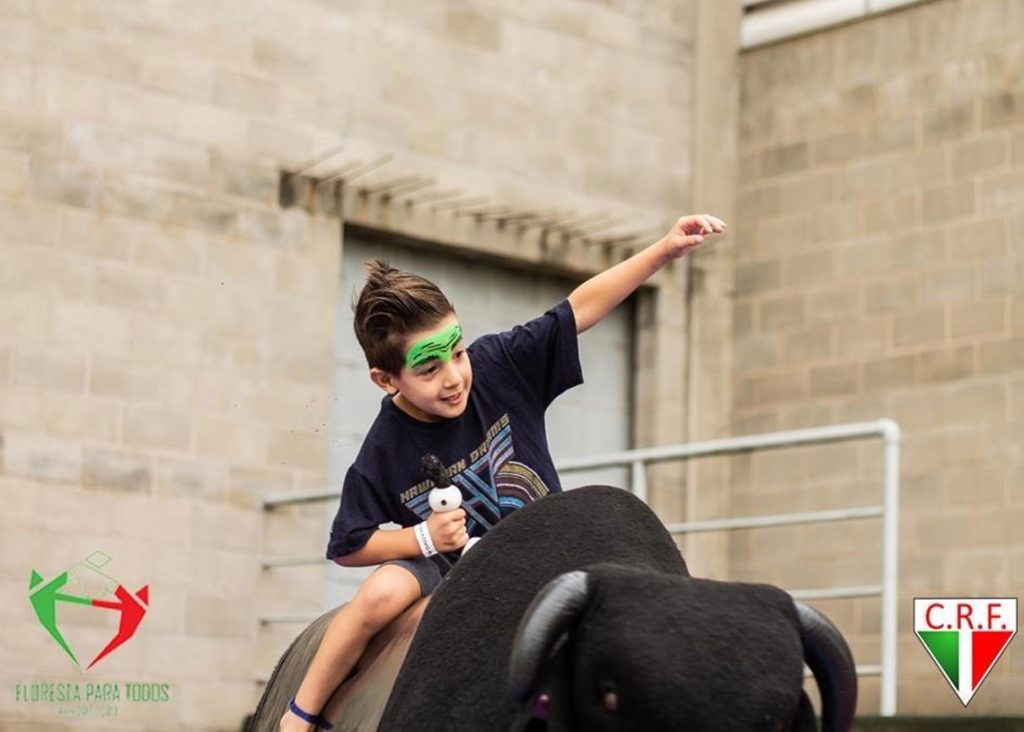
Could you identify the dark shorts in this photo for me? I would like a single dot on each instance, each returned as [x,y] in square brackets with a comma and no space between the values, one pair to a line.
[426,572]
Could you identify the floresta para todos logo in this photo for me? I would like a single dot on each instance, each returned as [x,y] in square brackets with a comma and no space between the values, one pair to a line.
[45,596]
[70,606]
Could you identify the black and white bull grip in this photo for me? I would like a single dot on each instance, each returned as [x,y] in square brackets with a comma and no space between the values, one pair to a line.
[443,500]
[444,496]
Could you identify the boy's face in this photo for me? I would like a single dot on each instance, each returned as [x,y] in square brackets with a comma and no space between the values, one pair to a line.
[435,382]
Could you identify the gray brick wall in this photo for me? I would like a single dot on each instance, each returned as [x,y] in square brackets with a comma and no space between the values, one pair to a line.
[879,273]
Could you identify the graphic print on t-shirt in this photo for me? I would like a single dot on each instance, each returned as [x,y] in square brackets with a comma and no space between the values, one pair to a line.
[493,484]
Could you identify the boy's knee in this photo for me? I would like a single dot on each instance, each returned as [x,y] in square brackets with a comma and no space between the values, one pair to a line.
[384,595]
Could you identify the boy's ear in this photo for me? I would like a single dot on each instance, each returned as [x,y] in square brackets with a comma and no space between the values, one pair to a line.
[384,380]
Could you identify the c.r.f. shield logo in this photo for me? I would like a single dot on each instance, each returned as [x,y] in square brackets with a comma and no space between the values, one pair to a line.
[965,636]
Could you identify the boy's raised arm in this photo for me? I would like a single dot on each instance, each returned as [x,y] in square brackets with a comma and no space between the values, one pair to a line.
[596,297]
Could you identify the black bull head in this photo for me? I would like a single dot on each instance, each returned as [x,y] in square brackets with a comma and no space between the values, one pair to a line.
[582,601]
[698,655]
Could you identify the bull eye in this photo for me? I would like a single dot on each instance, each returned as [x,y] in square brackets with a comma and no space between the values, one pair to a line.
[609,698]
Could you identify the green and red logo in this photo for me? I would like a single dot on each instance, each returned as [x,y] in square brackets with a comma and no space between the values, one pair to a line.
[965,636]
[73,587]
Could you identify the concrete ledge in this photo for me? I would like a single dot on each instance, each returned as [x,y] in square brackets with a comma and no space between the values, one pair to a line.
[938,724]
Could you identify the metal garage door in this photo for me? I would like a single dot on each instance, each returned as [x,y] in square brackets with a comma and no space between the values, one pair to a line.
[590,419]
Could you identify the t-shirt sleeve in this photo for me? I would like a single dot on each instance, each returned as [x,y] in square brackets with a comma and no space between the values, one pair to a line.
[360,513]
[545,352]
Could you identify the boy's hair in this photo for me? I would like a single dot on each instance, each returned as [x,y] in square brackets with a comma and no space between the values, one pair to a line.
[391,305]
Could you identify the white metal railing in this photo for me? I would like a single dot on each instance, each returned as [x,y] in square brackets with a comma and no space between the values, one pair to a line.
[888,511]
[638,460]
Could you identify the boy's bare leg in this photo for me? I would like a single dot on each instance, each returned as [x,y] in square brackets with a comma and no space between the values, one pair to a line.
[382,597]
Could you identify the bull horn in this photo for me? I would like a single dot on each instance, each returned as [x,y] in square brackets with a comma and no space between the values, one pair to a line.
[553,611]
[830,660]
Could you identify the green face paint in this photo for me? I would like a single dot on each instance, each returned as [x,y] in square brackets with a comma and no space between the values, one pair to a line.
[440,346]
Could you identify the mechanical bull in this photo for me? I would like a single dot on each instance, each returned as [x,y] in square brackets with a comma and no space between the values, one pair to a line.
[577,612]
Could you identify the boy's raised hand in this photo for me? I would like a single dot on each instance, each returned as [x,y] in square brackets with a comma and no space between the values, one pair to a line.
[448,530]
[689,232]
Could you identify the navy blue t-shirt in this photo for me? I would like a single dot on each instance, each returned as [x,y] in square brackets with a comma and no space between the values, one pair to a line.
[496,450]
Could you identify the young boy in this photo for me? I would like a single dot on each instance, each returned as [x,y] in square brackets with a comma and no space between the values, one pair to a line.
[479,409]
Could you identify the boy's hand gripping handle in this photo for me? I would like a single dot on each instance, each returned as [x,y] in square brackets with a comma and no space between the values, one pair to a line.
[444,497]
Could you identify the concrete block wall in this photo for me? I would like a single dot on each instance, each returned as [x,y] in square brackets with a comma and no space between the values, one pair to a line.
[880,272]
[165,328]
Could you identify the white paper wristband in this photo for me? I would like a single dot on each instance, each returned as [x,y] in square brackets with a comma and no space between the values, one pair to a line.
[423,539]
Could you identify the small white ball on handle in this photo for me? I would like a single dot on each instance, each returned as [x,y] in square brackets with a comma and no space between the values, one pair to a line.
[443,500]
[444,497]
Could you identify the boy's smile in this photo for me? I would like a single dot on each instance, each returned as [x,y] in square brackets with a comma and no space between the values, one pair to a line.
[436,380]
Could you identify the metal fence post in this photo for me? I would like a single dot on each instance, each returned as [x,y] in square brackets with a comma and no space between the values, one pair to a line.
[638,479]
[890,566]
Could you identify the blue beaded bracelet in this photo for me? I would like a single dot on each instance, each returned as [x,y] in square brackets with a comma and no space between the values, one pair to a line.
[314,719]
